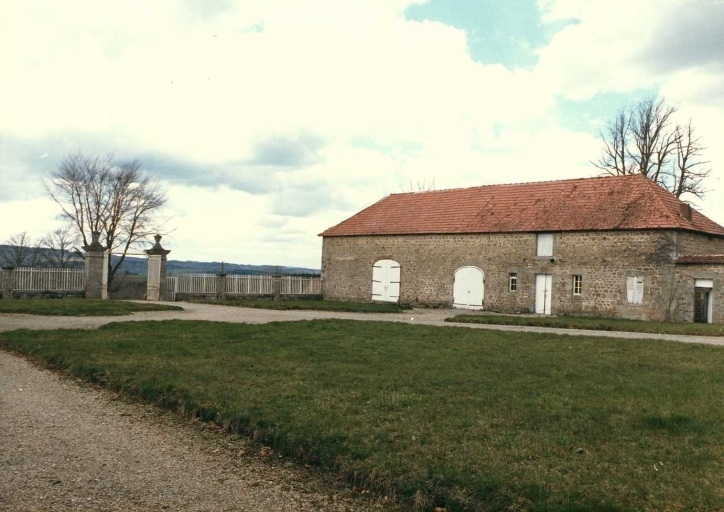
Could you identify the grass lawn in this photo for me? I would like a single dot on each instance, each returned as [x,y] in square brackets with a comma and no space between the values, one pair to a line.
[591,323]
[78,307]
[315,305]
[443,417]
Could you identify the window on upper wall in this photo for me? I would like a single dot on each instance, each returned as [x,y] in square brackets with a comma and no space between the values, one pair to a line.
[635,290]
[577,284]
[512,282]
[545,244]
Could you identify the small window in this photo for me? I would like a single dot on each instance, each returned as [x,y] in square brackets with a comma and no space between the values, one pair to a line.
[635,290]
[512,282]
[577,284]
[545,244]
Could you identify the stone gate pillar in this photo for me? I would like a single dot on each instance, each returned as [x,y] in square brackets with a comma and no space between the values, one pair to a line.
[156,284]
[7,276]
[221,286]
[96,269]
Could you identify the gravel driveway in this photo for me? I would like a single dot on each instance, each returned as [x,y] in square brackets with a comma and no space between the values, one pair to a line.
[258,316]
[65,445]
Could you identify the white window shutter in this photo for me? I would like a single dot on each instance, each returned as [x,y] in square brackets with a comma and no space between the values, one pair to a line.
[545,244]
[639,290]
[630,286]
[635,290]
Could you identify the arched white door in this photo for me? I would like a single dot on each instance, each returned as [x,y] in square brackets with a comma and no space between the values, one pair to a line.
[386,281]
[468,288]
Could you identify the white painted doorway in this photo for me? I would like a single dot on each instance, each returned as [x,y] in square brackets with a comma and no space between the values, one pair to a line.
[703,300]
[386,281]
[543,292]
[468,288]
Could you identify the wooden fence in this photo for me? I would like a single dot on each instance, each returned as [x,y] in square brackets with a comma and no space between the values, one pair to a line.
[299,285]
[186,285]
[28,279]
[249,285]
[193,284]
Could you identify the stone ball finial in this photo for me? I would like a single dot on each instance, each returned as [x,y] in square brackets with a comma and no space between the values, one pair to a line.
[157,248]
[95,245]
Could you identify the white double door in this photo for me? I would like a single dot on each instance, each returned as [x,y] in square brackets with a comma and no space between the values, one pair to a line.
[468,288]
[386,281]
[543,293]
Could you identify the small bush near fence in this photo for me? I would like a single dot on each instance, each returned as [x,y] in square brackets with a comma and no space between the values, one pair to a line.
[128,287]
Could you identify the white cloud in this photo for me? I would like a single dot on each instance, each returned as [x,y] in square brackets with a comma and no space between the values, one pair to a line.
[37,216]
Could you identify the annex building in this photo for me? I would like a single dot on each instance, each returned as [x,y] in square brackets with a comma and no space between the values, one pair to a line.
[618,246]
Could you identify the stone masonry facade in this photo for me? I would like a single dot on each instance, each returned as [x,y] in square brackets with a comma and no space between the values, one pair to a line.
[686,275]
[604,260]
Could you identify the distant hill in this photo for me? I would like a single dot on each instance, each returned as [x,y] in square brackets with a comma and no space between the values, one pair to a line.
[133,265]
[139,266]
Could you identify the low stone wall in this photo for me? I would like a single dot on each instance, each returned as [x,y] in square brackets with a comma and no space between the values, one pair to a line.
[45,294]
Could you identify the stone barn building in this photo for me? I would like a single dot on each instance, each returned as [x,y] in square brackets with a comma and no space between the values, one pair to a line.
[618,246]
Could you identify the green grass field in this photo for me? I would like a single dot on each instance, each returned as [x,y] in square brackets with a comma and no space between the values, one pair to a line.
[78,307]
[593,323]
[442,417]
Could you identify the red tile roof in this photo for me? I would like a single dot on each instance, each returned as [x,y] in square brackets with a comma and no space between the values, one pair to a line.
[589,204]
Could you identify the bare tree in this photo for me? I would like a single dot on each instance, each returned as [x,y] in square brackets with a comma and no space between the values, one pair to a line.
[20,251]
[644,140]
[420,186]
[653,141]
[115,199]
[615,158]
[61,247]
[669,302]
[688,173]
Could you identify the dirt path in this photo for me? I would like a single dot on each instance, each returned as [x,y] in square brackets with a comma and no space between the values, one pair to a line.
[67,446]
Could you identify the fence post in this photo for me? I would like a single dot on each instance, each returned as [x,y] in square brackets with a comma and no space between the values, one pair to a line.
[8,282]
[221,286]
[96,269]
[156,280]
[277,287]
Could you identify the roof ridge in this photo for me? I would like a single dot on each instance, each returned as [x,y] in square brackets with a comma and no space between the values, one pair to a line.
[579,204]
[657,191]
[515,184]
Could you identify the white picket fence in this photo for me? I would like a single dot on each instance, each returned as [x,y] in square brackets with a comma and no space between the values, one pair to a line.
[249,285]
[207,284]
[196,284]
[300,285]
[49,279]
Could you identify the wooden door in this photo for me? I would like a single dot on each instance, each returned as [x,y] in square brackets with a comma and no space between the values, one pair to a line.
[386,281]
[701,304]
[543,293]
[468,288]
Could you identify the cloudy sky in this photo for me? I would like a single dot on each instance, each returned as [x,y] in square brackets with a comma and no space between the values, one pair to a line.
[269,121]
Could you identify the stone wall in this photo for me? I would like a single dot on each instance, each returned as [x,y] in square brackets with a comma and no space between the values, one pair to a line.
[428,264]
[697,243]
[686,276]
